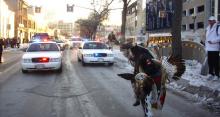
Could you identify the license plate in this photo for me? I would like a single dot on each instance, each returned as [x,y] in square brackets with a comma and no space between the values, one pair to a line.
[100,59]
[39,66]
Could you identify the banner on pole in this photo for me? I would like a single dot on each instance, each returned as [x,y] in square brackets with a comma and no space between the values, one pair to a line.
[158,14]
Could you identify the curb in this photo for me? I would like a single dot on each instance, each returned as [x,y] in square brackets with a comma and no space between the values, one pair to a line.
[204,96]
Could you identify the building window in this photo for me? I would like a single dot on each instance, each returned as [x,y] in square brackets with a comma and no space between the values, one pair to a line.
[191,11]
[191,26]
[183,27]
[200,9]
[184,13]
[200,25]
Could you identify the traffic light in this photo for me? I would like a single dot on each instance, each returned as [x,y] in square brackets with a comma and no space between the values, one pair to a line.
[37,9]
[70,8]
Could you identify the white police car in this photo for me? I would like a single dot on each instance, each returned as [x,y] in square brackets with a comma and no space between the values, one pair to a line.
[95,52]
[42,56]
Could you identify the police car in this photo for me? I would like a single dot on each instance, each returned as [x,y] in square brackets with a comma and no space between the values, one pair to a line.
[44,55]
[95,52]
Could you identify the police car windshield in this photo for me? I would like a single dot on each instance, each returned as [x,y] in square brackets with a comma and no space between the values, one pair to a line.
[94,45]
[37,47]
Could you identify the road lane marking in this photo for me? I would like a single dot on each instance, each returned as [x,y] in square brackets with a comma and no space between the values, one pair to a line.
[9,71]
[80,105]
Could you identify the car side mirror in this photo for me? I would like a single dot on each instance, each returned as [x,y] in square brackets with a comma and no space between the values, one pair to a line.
[80,47]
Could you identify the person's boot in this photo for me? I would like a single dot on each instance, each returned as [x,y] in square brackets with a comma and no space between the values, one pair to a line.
[136,103]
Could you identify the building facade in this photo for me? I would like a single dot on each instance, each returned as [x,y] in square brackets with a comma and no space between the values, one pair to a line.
[132,19]
[195,18]
[136,21]
[215,8]
[6,21]
[65,28]
[24,23]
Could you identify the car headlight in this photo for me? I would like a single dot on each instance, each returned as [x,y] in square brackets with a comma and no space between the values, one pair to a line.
[110,55]
[27,61]
[88,55]
[55,59]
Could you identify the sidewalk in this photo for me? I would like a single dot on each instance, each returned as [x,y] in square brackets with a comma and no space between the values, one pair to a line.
[22,46]
[192,85]
[10,56]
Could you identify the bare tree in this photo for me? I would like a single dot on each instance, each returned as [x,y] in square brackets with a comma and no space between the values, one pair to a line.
[176,57]
[86,27]
[176,29]
[100,13]
[124,13]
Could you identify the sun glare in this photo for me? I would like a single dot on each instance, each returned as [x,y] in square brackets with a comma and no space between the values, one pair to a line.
[55,10]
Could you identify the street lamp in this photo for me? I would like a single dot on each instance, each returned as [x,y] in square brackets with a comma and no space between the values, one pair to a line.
[194,21]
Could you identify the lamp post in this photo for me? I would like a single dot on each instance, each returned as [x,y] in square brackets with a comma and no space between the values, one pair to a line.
[194,21]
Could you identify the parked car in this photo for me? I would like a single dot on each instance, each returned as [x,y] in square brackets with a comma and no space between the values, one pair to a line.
[42,56]
[60,43]
[95,52]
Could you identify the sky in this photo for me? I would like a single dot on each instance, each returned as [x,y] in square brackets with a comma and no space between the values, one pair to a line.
[55,10]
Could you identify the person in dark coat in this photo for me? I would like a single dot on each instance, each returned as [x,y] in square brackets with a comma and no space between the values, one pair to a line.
[1,49]
[111,39]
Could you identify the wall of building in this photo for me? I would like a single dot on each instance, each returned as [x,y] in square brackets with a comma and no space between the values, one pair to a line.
[132,19]
[141,16]
[217,9]
[194,20]
[188,15]
[6,21]
[65,28]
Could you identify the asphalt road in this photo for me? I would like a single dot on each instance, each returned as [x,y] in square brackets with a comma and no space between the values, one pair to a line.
[90,91]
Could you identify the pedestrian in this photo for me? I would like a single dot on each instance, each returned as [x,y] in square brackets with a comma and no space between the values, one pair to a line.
[212,45]
[5,43]
[18,42]
[111,39]
[14,42]
[1,49]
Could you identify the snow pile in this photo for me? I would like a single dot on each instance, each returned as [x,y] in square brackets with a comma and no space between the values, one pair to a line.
[192,74]
[119,54]
[24,45]
[120,57]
